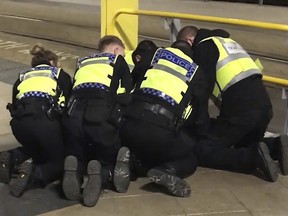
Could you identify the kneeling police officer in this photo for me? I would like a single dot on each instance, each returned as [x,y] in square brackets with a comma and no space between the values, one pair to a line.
[38,99]
[166,85]
[91,124]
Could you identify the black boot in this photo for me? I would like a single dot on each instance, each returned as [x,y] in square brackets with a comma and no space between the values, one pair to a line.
[137,169]
[29,176]
[165,177]
[265,163]
[107,177]
[71,179]
[6,167]
[121,177]
[93,187]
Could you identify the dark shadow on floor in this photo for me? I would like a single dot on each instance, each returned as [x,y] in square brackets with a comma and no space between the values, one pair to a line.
[33,202]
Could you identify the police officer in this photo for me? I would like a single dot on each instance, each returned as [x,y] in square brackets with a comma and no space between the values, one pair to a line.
[37,102]
[91,124]
[164,89]
[233,139]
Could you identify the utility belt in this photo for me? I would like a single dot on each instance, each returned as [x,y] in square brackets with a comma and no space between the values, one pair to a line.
[158,110]
[96,110]
[28,107]
[159,115]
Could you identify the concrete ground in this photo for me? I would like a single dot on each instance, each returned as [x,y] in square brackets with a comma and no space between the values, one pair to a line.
[214,192]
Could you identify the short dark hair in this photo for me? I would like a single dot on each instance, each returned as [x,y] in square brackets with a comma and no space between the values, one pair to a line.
[187,31]
[108,40]
[42,56]
[144,47]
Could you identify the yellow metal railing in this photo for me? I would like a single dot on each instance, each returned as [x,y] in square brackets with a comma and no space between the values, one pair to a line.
[263,25]
[240,22]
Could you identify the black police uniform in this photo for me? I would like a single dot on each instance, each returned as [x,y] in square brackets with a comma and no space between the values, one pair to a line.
[231,140]
[151,126]
[91,121]
[37,128]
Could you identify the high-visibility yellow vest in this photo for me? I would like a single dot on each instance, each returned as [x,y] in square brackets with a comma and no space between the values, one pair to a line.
[129,60]
[169,76]
[95,69]
[40,81]
[234,64]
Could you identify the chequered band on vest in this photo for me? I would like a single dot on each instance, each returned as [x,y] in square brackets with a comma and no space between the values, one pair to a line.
[191,70]
[54,70]
[159,94]
[91,85]
[111,57]
[35,94]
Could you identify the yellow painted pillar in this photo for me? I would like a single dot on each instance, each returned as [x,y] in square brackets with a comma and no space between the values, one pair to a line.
[126,27]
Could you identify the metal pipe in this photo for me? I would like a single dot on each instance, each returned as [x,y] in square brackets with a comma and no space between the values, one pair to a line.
[263,25]
[274,80]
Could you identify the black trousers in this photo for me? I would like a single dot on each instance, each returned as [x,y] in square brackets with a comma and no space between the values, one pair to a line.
[231,141]
[155,145]
[90,134]
[41,140]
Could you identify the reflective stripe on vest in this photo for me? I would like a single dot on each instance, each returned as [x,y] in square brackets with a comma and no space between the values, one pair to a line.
[170,75]
[97,68]
[38,81]
[129,60]
[234,64]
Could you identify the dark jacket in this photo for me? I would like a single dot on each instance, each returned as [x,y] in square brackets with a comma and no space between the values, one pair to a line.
[247,95]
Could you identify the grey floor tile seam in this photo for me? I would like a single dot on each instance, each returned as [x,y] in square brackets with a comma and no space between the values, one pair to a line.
[240,202]
[180,207]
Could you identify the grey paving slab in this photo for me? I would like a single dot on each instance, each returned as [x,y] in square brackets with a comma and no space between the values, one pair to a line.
[265,199]
[33,202]
[5,90]
[4,117]
[10,70]
[217,200]
[8,141]
[5,97]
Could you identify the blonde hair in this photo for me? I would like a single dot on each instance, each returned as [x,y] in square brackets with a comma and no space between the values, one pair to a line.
[108,40]
[187,31]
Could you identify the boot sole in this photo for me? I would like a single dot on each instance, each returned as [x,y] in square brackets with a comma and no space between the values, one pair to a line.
[283,160]
[121,178]
[18,185]
[71,185]
[175,185]
[5,170]
[93,187]
[271,166]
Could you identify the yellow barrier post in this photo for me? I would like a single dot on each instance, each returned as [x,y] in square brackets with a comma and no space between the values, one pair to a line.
[126,26]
